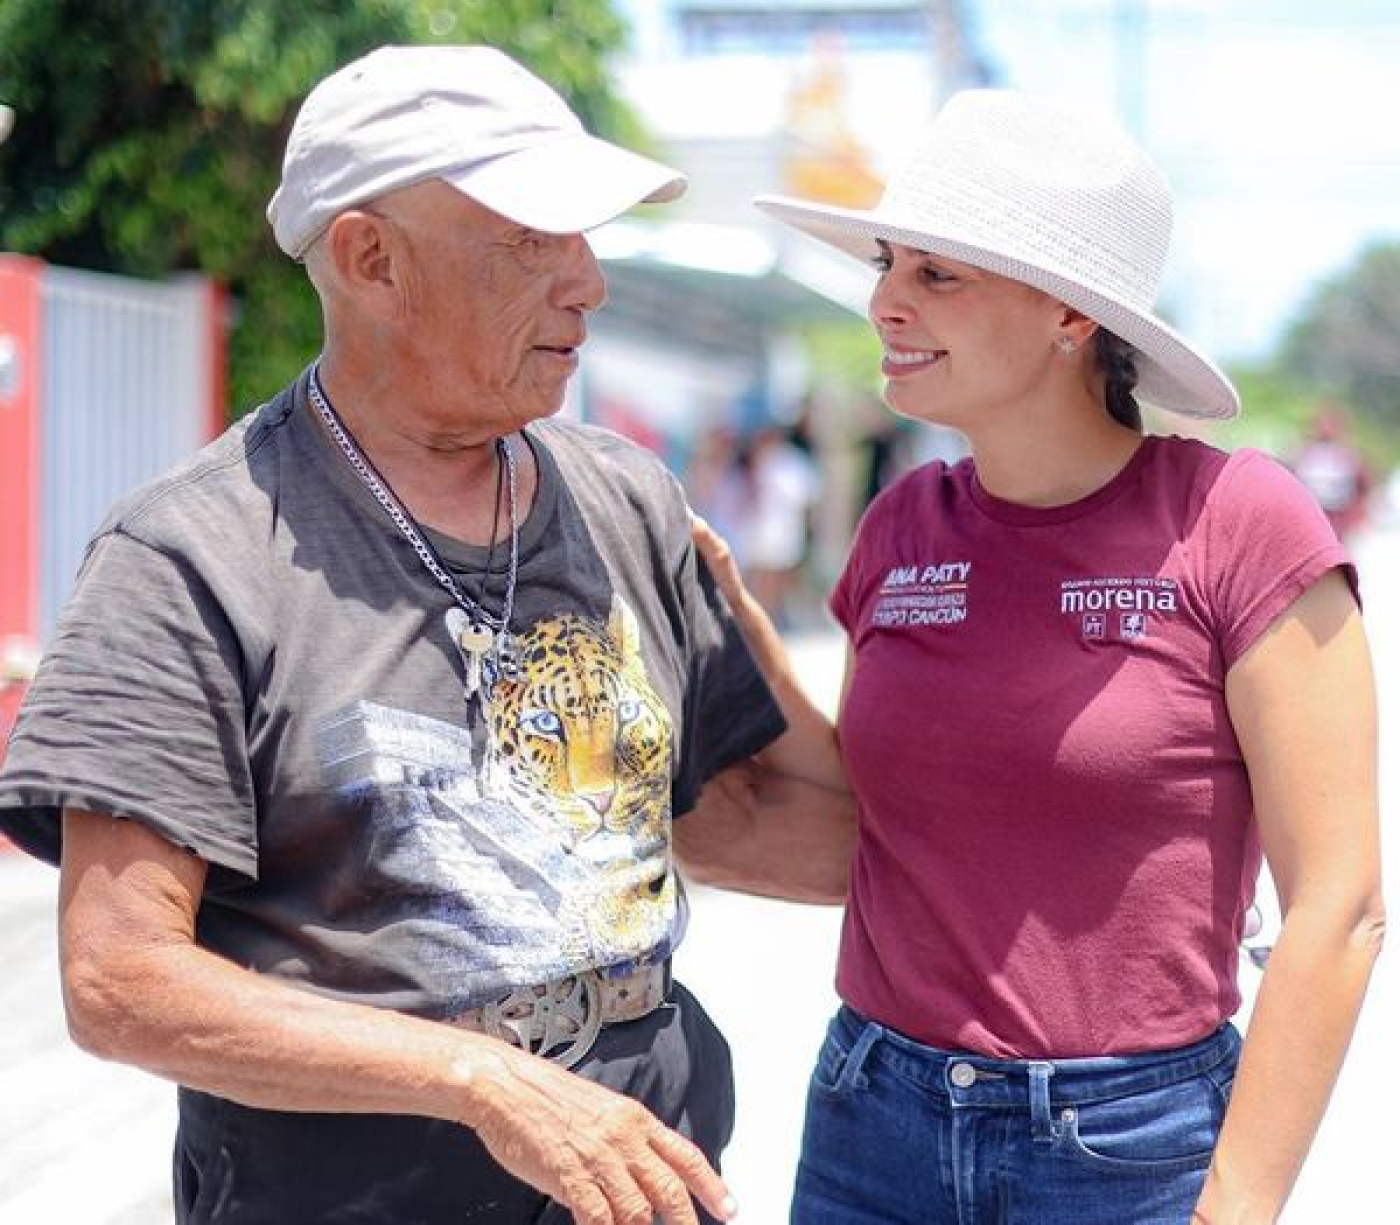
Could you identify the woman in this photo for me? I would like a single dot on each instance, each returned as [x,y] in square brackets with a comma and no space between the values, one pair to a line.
[1092,674]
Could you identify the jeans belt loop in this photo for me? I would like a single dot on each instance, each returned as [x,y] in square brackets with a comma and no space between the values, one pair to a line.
[853,1070]
[1042,1124]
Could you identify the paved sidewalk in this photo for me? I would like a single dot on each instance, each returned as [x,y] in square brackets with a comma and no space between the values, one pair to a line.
[81,1142]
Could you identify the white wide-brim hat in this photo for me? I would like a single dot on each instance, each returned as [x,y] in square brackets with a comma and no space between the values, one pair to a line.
[471,116]
[1049,196]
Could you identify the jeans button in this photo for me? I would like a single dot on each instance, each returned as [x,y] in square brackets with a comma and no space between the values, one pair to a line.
[963,1075]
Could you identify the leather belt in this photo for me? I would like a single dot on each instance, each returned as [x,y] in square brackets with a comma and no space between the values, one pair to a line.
[561,1020]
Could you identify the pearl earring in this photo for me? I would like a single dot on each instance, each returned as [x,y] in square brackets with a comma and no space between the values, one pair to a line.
[1065,345]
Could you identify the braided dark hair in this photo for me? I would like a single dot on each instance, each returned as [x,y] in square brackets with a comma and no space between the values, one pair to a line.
[1118,361]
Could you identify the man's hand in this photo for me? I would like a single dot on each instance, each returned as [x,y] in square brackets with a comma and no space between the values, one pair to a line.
[606,1158]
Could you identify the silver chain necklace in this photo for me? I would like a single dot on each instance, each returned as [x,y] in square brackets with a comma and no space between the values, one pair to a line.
[483,638]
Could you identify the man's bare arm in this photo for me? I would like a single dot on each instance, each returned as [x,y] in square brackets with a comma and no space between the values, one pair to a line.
[761,831]
[138,989]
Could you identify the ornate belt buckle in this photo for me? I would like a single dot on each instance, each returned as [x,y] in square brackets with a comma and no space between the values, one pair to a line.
[566,1014]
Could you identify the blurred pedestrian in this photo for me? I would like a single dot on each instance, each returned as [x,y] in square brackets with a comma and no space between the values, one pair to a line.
[716,480]
[1334,471]
[362,734]
[1093,675]
[775,534]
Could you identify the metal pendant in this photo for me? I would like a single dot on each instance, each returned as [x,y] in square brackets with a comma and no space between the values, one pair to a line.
[474,640]
[499,664]
[507,657]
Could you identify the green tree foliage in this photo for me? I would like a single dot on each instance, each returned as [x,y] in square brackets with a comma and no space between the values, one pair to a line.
[1277,409]
[1346,340]
[149,133]
[844,353]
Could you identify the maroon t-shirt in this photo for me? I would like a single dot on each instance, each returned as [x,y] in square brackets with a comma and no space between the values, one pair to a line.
[1057,838]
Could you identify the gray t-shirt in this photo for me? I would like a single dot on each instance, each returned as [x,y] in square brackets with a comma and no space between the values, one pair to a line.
[256,665]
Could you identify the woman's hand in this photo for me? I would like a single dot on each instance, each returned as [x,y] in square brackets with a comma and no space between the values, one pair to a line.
[758,629]
[808,750]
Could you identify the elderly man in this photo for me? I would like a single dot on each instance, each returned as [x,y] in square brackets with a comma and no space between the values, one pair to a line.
[362,734]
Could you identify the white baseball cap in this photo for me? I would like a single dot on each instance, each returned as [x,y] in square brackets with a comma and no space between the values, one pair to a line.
[471,116]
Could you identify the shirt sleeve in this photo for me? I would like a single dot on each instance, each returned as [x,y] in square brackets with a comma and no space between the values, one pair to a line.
[137,710]
[1268,543]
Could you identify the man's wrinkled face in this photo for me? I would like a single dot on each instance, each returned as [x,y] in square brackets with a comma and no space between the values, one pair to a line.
[495,311]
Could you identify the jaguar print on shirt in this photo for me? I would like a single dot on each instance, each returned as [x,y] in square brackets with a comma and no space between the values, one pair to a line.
[550,854]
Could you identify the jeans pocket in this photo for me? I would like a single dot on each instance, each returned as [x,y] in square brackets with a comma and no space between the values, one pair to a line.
[1165,1130]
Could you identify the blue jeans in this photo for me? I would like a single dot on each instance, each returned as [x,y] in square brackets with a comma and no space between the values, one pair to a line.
[899,1133]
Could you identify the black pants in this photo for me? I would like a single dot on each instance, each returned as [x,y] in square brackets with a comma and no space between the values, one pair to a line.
[239,1166]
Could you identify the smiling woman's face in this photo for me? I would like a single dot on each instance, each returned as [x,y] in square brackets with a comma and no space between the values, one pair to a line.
[960,343]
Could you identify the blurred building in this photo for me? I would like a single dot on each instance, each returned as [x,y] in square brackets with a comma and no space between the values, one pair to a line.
[749,98]
[807,97]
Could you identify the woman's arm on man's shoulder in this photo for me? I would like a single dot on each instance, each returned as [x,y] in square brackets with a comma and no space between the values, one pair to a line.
[783,823]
